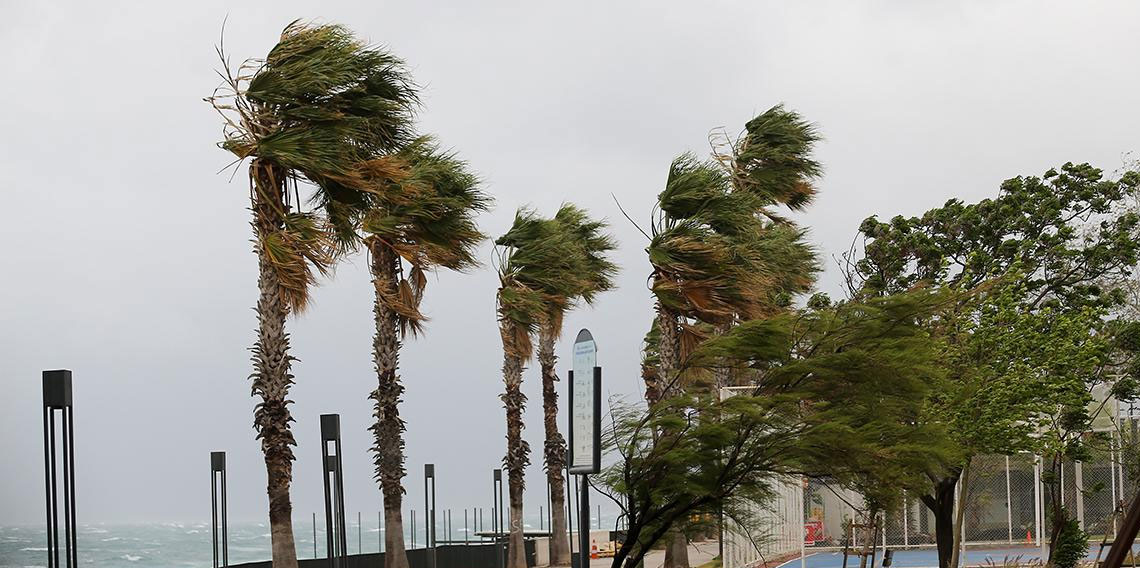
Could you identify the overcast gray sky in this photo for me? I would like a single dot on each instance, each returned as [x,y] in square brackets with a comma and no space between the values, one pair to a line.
[127,256]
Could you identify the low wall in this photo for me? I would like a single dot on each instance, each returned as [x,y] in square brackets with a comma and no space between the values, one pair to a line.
[475,555]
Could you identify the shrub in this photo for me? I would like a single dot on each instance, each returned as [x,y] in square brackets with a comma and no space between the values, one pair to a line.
[1072,544]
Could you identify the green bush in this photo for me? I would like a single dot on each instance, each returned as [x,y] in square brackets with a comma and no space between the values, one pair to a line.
[1072,544]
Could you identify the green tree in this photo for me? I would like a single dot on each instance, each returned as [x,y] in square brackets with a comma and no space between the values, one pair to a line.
[420,220]
[589,238]
[545,265]
[719,251]
[313,114]
[837,393]
[1056,238]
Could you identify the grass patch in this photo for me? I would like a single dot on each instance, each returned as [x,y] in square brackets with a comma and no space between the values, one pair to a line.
[714,563]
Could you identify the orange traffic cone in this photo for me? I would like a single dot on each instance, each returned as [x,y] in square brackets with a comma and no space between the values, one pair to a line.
[1028,536]
[593,549]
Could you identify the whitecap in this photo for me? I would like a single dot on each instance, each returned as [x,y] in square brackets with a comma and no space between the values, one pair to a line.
[131,557]
[33,549]
[114,538]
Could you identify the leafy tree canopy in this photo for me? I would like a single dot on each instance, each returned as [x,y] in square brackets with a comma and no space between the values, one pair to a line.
[1030,267]
[837,394]
[1065,231]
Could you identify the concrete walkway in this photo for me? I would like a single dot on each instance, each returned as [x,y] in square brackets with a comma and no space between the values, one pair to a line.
[699,553]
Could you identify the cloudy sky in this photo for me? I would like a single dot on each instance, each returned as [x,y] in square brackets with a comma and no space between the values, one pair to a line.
[127,255]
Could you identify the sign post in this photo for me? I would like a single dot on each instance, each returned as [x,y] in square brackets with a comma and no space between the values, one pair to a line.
[585,429]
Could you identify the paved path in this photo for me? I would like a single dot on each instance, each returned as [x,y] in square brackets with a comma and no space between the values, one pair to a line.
[699,553]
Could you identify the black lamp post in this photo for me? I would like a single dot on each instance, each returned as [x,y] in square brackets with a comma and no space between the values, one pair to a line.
[497,516]
[57,396]
[218,485]
[335,537]
[429,513]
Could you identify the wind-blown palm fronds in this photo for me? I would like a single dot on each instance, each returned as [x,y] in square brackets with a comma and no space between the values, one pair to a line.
[595,274]
[702,266]
[545,266]
[720,254]
[773,158]
[313,114]
[421,218]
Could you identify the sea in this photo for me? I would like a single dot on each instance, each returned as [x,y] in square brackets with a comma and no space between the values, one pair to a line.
[151,545]
[188,545]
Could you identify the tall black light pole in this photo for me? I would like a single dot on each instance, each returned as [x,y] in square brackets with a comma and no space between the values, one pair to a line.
[585,385]
[57,396]
[218,487]
[335,537]
[429,513]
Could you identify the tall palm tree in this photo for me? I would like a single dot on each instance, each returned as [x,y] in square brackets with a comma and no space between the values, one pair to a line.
[311,115]
[423,219]
[589,239]
[542,269]
[720,255]
[702,270]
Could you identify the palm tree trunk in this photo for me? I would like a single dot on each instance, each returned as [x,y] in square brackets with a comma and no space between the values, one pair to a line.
[669,350]
[518,451]
[722,374]
[271,362]
[677,550]
[388,430]
[554,450]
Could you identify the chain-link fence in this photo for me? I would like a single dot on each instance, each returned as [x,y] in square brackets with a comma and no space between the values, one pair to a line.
[777,533]
[1007,504]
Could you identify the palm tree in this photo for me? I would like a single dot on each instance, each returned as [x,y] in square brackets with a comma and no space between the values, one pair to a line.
[543,268]
[720,255]
[702,270]
[423,219]
[312,114]
[589,239]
